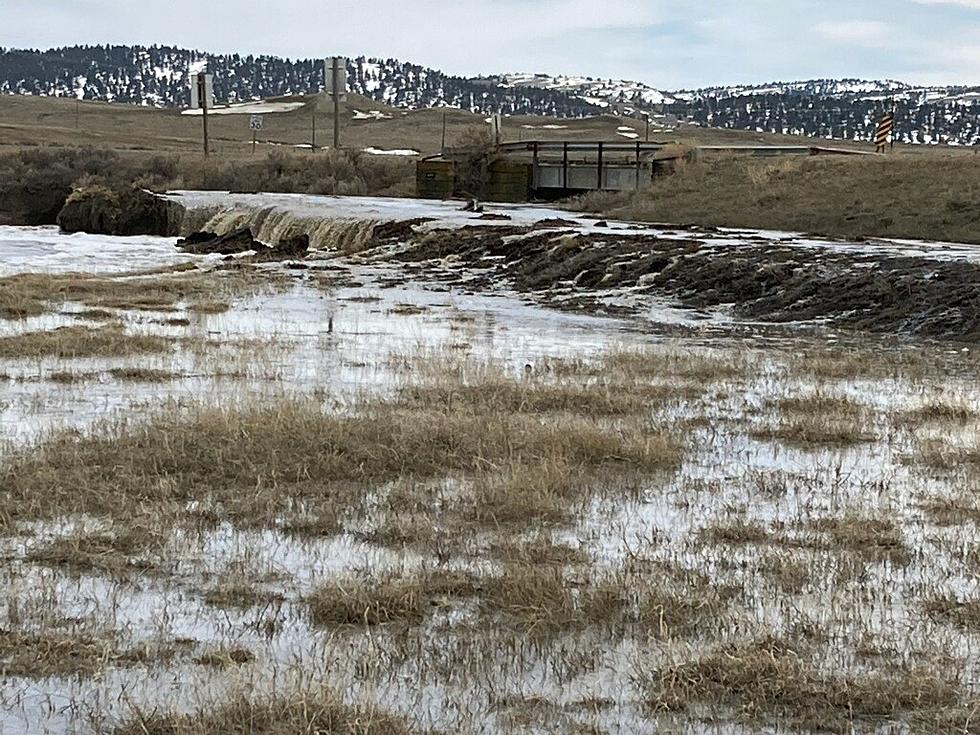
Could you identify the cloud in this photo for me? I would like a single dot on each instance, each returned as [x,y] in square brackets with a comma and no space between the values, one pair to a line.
[668,43]
[869,33]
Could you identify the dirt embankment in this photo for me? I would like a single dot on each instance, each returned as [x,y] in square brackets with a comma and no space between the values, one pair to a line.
[760,280]
[918,194]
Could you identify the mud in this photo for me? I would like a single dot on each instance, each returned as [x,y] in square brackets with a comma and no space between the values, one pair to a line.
[243,241]
[757,280]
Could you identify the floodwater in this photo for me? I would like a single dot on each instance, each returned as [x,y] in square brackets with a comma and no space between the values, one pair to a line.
[340,342]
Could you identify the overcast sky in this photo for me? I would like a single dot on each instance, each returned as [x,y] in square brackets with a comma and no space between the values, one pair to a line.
[667,44]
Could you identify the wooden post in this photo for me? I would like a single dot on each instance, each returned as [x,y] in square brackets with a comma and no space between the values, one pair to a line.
[564,165]
[599,167]
[534,167]
[637,165]
[336,103]
[313,135]
[202,95]
[443,149]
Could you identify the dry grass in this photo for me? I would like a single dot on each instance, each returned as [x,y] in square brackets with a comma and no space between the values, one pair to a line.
[370,600]
[256,460]
[809,195]
[239,595]
[224,657]
[319,713]
[949,610]
[143,375]
[817,420]
[125,550]
[772,681]
[81,342]
[941,455]
[42,655]
[876,539]
[161,289]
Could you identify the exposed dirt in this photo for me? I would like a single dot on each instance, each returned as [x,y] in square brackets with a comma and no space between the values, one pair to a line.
[879,292]
[243,241]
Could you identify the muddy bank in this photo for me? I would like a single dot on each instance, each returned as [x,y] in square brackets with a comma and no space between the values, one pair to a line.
[101,210]
[757,279]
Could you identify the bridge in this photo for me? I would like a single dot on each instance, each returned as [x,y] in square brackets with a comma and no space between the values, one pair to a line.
[553,169]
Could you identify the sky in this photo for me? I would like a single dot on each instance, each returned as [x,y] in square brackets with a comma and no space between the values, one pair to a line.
[670,45]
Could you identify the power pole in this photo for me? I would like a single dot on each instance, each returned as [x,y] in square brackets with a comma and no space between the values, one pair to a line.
[335,74]
[202,97]
[313,139]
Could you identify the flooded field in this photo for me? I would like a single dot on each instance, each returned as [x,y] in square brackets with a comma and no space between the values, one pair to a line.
[354,495]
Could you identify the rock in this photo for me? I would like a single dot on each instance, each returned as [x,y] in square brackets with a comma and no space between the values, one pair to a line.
[99,210]
[207,243]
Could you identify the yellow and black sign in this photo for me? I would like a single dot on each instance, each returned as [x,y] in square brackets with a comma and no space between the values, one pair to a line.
[885,131]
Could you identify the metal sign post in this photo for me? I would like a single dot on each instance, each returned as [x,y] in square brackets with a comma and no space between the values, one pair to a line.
[335,70]
[255,125]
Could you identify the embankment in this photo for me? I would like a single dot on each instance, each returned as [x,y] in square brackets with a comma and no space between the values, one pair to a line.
[923,194]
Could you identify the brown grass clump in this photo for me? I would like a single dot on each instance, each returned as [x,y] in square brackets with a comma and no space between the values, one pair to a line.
[42,655]
[873,538]
[522,494]
[939,412]
[224,657]
[80,342]
[819,419]
[361,600]
[540,397]
[734,533]
[239,595]
[322,713]
[117,552]
[772,681]
[940,455]
[660,364]
[949,610]
[255,460]
[143,375]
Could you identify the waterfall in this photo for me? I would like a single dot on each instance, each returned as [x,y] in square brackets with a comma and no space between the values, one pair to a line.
[271,224]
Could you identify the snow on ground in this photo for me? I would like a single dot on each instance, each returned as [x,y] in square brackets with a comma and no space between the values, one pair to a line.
[250,108]
[46,250]
[371,115]
[393,152]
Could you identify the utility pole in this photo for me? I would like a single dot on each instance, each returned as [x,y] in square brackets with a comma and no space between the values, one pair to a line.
[313,138]
[203,101]
[335,83]
[443,149]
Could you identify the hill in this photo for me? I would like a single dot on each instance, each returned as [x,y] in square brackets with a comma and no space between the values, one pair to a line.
[841,109]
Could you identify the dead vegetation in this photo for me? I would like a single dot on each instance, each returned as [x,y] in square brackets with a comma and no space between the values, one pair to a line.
[318,712]
[381,599]
[819,419]
[770,681]
[81,342]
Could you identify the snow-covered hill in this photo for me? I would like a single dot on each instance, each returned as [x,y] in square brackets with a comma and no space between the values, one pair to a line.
[824,108]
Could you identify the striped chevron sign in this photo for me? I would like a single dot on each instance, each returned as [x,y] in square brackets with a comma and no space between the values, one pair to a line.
[885,131]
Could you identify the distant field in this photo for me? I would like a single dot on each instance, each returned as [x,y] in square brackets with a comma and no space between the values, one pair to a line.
[38,121]
[917,191]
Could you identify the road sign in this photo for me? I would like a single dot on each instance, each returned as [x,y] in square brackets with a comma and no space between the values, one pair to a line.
[885,132]
[335,77]
[255,122]
[197,86]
